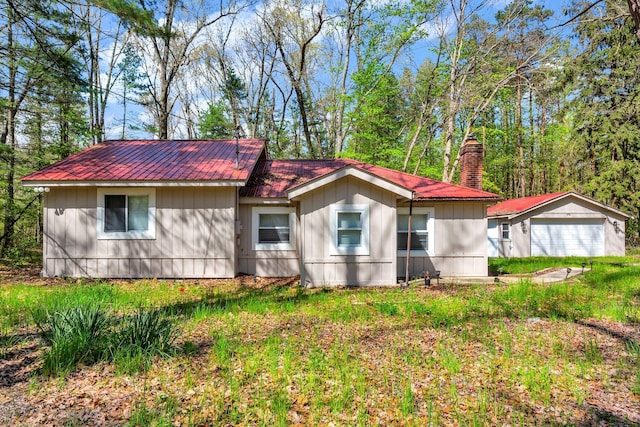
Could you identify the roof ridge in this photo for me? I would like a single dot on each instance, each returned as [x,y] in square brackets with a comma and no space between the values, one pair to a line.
[310,160]
[554,194]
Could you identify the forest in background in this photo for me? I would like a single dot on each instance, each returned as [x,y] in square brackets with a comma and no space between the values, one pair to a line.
[551,92]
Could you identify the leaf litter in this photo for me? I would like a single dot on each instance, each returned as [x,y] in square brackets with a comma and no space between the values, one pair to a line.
[305,366]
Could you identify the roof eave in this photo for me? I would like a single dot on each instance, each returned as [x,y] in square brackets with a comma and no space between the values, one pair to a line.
[495,216]
[263,200]
[295,192]
[134,183]
[457,199]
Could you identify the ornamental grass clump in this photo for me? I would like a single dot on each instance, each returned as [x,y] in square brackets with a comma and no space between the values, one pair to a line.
[75,335]
[141,337]
[88,334]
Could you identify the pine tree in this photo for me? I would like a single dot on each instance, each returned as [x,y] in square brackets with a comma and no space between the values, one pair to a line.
[606,109]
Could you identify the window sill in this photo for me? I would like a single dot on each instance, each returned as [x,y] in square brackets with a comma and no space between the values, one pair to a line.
[415,253]
[274,247]
[350,251]
[120,235]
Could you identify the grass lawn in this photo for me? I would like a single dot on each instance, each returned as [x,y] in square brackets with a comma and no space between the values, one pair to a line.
[272,353]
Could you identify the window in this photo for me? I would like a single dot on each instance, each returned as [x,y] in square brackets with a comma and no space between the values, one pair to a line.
[126,213]
[274,228]
[505,231]
[349,229]
[422,236]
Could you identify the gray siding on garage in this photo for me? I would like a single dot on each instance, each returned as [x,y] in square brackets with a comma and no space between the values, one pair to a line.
[195,236]
[566,209]
[460,242]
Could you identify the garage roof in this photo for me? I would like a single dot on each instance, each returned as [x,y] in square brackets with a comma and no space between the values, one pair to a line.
[515,207]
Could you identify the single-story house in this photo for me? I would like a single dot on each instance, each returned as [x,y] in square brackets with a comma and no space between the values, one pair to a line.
[557,224]
[219,208]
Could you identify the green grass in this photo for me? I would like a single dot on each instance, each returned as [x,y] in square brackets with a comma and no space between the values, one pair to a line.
[533,264]
[281,355]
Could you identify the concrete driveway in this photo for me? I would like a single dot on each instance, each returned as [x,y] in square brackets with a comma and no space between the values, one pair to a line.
[550,275]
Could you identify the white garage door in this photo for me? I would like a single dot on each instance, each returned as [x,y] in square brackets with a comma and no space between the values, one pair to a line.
[575,237]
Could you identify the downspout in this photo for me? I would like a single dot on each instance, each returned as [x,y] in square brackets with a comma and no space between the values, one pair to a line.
[238,231]
[236,240]
[406,277]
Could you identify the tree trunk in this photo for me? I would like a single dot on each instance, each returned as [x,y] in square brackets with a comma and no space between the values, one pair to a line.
[634,8]
[9,207]
[340,132]
[450,126]
[519,140]
[163,111]
[7,138]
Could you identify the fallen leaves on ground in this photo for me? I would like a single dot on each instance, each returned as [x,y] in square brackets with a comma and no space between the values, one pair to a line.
[300,367]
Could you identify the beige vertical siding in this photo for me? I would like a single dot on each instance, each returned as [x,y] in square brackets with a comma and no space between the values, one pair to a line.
[195,236]
[265,263]
[568,208]
[460,242]
[319,267]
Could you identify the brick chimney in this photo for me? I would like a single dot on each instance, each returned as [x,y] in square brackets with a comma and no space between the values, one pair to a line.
[471,163]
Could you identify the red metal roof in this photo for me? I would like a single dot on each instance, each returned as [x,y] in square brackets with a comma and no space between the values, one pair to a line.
[156,160]
[273,178]
[214,160]
[516,206]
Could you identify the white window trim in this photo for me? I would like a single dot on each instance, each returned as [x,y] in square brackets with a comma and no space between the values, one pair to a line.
[363,248]
[501,230]
[430,231]
[255,220]
[127,235]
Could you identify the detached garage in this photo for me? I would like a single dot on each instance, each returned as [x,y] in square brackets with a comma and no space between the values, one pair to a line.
[558,224]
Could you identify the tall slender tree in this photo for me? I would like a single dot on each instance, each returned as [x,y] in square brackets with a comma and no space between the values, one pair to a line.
[171,48]
[293,34]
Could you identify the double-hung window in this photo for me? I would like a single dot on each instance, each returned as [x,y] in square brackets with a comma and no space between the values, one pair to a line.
[349,229]
[422,234]
[274,228]
[126,213]
[505,231]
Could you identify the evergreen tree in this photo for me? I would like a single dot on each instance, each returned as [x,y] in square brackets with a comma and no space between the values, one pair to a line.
[132,88]
[377,118]
[215,122]
[606,109]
